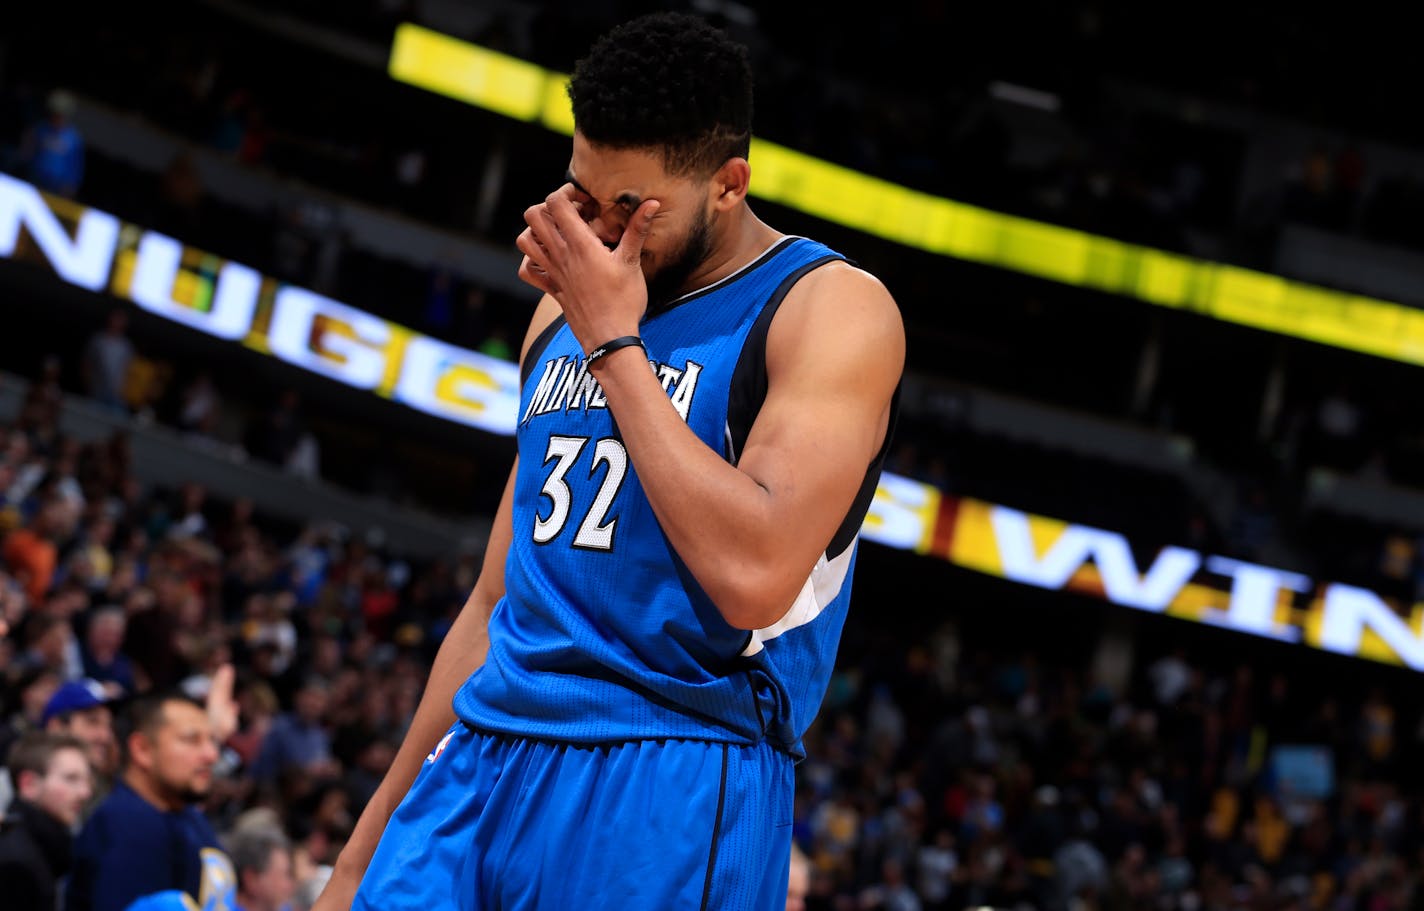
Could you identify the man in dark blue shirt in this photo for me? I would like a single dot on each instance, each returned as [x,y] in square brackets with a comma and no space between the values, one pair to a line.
[149,835]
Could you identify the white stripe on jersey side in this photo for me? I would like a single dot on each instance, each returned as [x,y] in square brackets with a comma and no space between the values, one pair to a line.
[821,588]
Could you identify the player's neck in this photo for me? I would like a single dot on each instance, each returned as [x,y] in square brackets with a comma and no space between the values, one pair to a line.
[744,240]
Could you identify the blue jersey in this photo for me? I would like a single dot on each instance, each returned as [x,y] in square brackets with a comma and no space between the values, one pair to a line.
[603,634]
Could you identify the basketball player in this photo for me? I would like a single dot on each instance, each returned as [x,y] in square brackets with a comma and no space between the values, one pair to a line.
[705,408]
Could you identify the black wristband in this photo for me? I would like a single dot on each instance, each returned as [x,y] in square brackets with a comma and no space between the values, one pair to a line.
[607,348]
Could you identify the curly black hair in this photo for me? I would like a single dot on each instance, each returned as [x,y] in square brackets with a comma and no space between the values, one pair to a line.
[670,81]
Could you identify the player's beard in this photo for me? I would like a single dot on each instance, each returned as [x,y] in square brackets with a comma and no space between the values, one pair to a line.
[668,280]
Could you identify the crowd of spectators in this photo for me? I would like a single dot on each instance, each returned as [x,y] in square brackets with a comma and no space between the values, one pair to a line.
[955,774]
[957,762]
[990,771]
[109,590]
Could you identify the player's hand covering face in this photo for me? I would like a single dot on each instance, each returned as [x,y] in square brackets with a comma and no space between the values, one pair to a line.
[602,291]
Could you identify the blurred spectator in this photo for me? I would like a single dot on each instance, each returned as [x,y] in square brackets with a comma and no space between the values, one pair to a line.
[200,410]
[298,740]
[43,398]
[1307,195]
[1335,436]
[31,554]
[242,130]
[52,152]
[52,783]
[497,344]
[29,689]
[891,893]
[48,638]
[237,527]
[309,887]
[108,357]
[440,293]
[1253,524]
[258,706]
[104,659]
[91,558]
[80,709]
[179,210]
[366,774]
[937,863]
[13,605]
[474,318]
[279,433]
[149,834]
[190,521]
[268,630]
[151,640]
[262,859]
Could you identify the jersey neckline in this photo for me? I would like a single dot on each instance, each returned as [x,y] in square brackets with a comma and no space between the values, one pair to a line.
[730,277]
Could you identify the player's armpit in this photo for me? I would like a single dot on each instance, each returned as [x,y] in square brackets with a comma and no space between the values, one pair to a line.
[835,355]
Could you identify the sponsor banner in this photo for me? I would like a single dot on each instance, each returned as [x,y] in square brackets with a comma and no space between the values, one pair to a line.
[1177,582]
[230,301]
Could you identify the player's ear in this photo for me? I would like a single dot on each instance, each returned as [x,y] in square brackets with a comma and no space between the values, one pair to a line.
[729,184]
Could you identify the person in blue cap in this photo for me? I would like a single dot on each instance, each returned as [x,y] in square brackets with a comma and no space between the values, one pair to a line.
[150,835]
[83,709]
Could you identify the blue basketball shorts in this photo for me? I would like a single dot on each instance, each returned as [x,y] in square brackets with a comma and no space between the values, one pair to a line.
[499,823]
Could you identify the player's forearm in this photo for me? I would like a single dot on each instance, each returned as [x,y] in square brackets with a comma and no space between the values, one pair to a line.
[722,522]
[460,654]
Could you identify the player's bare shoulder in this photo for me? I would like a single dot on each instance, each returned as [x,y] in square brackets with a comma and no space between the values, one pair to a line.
[840,306]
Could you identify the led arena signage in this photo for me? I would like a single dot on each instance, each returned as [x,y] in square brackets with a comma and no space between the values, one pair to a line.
[1179,582]
[525,91]
[230,301]
[227,300]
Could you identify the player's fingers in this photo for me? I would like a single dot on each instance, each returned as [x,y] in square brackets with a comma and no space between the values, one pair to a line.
[546,232]
[630,246]
[568,218]
[532,274]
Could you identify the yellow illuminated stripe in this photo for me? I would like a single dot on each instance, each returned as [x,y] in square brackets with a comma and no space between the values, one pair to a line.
[494,81]
[465,72]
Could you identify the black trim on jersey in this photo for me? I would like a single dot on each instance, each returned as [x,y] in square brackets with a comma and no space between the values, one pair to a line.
[747,391]
[716,829]
[851,527]
[747,394]
[536,350]
[749,268]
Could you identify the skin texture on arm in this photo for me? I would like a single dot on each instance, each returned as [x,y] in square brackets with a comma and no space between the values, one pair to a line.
[750,533]
[460,654]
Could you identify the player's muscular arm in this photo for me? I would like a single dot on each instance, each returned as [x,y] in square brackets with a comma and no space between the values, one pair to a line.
[751,533]
[462,651]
